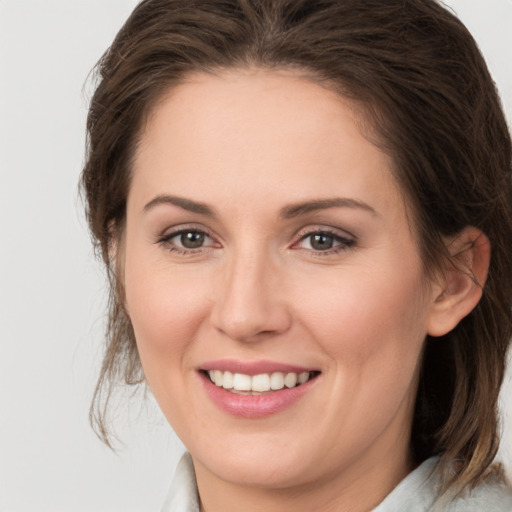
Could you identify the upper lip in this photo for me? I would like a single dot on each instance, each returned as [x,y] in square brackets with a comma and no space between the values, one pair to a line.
[252,367]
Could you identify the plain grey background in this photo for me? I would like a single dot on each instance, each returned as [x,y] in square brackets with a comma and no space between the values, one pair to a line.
[52,289]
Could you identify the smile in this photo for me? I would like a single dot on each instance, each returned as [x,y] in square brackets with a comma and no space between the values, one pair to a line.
[258,389]
[261,383]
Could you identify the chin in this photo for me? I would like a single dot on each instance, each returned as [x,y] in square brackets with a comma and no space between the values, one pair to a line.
[265,471]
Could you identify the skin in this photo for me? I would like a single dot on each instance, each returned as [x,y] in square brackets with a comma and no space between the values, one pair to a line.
[248,144]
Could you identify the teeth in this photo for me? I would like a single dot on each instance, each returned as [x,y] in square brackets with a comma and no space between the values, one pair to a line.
[303,377]
[218,377]
[290,380]
[258,383]
[227,380]
[277,381]
[242,382]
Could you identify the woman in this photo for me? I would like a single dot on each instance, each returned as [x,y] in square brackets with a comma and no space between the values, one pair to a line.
[305,210]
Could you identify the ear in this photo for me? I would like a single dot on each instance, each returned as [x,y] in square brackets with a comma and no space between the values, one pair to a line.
[459,287]
[116,246]
[114,242]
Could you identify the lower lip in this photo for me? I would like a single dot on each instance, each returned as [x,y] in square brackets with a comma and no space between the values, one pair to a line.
[255,406]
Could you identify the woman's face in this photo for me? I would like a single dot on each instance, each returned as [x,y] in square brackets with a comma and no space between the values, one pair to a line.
[267,242]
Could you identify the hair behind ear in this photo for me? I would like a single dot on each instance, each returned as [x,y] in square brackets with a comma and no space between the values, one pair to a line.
[457,404]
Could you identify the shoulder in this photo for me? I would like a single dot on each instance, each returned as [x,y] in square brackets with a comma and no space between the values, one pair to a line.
[490,496]
[419,492]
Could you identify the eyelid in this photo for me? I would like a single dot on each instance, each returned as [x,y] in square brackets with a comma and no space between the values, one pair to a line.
[170,232]
[344,239]
[336,232]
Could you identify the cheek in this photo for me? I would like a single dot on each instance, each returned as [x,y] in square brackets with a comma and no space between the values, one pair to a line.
[373,331]
[369,318]
[166,309]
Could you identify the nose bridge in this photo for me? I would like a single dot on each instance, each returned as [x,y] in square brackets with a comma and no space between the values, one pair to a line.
[249,303]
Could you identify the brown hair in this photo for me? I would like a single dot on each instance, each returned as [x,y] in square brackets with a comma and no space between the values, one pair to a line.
[426,91]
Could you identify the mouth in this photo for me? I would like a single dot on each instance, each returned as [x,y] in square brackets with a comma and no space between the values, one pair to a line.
[262,383]
[256,389]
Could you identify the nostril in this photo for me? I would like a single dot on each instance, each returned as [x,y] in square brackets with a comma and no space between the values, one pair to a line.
[252,325]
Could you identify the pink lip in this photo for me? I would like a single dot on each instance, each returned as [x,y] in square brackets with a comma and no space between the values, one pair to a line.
[252,368]
[253,406]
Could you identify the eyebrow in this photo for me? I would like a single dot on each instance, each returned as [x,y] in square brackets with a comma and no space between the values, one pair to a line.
[181,202]
[288,212]
[295,210]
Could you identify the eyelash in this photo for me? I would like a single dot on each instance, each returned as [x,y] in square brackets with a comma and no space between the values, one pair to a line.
[165,241]
[343,243]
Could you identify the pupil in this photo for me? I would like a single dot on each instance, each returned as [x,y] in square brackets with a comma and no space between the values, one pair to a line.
[322,242]
[192,239]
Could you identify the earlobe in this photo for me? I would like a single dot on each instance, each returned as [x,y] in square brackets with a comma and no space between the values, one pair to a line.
[460,286]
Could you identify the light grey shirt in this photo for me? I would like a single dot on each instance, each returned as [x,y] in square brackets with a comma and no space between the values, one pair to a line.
[416,493]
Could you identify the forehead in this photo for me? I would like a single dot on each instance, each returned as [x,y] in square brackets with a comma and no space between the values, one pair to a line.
[247,131]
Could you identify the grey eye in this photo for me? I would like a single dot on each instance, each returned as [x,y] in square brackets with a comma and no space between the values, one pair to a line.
[325,242]
[321,242]
[192,239]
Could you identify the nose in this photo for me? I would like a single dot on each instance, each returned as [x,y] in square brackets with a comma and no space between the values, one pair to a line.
[249,304]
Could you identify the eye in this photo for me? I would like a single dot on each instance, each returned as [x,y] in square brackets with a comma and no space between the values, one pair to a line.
[190,239]
[320,241]
[324,242]
[186,240]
